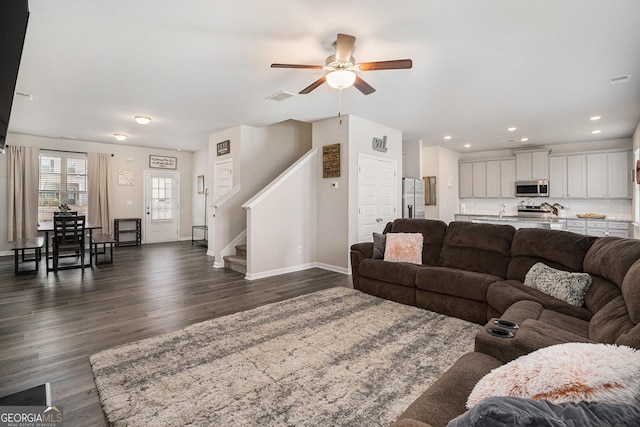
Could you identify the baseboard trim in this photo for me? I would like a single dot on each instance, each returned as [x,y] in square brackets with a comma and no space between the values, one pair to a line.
[293,269]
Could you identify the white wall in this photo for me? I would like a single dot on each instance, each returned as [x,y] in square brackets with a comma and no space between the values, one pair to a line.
[338,207]
[636,202]
[412,165]
[200,167]
[125,157]
[443,164]
[259,155]
[281,222]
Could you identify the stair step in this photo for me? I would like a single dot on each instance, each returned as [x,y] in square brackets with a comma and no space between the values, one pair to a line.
[241,250]
[236,263]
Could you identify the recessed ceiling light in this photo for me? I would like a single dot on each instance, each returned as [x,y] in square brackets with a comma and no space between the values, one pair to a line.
[512,129]
[594,118]
[525,139]
[143,120]
[447,137]
[467,145]
[595,131]
[120,136]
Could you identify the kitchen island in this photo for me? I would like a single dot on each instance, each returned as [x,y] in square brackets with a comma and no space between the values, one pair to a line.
[618,227]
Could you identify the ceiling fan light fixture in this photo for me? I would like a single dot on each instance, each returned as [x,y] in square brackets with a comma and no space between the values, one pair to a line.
[341,79]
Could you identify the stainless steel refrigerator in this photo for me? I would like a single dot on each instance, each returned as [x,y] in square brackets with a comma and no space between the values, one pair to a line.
[412,198]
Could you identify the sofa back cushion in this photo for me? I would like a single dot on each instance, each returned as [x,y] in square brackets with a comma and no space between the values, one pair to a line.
[484,248]
[554,248]
[611,258]
[432,231]
[631,292]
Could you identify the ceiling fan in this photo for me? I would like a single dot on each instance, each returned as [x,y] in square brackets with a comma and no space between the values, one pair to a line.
[341,68]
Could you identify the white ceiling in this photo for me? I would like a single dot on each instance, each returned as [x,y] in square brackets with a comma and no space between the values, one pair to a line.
[200,66]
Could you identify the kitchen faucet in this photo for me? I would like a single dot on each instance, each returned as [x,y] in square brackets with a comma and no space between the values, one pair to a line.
[502,212]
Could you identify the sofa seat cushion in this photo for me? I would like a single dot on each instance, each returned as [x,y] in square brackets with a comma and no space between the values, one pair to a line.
[557,249]
[483,248]
[502,294]
[399,273]
[563,321]
[451,281]
[432,232]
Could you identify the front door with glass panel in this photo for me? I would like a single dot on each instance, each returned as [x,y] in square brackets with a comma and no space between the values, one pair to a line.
[162,206]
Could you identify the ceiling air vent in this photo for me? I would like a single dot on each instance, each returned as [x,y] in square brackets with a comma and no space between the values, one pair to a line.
[626,78]
[281,96]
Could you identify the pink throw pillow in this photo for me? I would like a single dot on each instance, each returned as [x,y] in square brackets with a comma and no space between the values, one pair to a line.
[404,247]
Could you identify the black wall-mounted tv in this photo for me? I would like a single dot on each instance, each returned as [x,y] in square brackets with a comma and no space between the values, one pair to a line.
[14,15]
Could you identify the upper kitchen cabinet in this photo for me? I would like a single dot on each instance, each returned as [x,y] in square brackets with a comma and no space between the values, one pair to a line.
[568,176]
[532,165]
[609,175]
[492,178]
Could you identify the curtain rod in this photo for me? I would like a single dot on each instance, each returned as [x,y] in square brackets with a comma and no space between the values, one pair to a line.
[67,151]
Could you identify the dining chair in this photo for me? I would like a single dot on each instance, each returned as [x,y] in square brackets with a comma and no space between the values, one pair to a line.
[68,238]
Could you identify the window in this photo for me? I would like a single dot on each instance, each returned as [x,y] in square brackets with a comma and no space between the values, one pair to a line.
[63,179]
[161,199]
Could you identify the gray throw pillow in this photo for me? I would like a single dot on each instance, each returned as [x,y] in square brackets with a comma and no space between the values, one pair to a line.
[379,243]
[516,411]
[566,286]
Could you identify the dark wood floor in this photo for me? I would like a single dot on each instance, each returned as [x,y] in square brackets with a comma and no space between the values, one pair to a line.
[50,325]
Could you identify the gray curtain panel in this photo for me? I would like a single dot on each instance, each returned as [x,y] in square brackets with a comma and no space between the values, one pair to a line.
[23,170]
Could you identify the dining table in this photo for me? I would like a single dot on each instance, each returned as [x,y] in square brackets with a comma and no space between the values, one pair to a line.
[47,227]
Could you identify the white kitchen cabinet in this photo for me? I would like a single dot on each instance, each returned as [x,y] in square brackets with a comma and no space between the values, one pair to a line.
[596,175]
[532,165]
[558,176]
[507,178]
[619,174]
[567,176]
[608,175]
[466,180]
[479,179]
[577,226]
[493,179]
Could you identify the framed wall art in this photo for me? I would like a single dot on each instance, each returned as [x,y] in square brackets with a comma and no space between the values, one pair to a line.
[223,147]
[200,184]
[163,162]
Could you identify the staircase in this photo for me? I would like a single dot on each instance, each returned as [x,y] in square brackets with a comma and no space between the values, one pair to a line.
[237,262]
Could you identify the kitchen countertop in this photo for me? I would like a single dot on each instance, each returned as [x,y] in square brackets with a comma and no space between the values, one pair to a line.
[552,219]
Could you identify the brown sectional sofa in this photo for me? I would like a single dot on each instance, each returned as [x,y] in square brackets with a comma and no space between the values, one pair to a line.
[476,272]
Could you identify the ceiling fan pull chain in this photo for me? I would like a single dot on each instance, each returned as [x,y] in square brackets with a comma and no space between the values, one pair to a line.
[340,105]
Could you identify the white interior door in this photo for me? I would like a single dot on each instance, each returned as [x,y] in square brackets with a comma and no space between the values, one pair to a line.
[162,206]
[223,178]
[377,183]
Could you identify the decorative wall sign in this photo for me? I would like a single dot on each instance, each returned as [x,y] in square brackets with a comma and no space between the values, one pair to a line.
[200,184]
[331,161]
[223,147]
[162,162]
[430,190]
[126,177]
[379,144]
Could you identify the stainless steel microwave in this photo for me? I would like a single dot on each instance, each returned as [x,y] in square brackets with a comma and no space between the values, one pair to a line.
[532,188]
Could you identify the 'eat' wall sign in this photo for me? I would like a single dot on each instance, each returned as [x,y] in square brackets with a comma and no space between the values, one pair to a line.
[379,144]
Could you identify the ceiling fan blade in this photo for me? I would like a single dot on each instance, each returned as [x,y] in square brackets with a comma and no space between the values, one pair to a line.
[313,85]
[310,67]
[397,64]
[363,86]
[344,47]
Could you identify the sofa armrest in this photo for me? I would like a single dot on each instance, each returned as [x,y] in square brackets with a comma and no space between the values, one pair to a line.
[359,251]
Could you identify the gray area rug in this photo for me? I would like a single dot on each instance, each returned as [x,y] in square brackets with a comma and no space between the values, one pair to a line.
[337,357]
